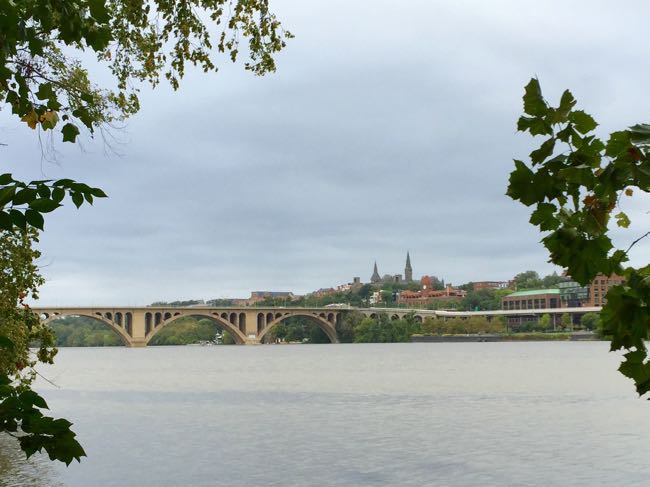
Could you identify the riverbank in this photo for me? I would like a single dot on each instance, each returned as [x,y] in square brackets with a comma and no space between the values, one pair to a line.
[510,337]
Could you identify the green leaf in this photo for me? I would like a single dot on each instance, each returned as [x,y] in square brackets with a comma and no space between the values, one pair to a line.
[534,125]
[544,151]
[24,196]
[5,221]
[34,218]
[58,194]
[98,193]
[6,343]
[70,132]
[31,398]
[7,195]
[544,217]
[77,199]
[44,205]
[582,121]
[45,91]
[567,102]
[622,220]
[618,143]
[534,103]
[18,219]
[640,133]
[64,183]
[6,179]
[635,367]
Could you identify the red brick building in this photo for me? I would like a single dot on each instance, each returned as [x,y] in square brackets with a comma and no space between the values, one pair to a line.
[426,296]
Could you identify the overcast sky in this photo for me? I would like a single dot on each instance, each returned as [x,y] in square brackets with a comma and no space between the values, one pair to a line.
[389,126]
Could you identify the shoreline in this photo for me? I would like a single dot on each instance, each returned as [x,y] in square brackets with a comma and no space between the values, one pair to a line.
[514,337]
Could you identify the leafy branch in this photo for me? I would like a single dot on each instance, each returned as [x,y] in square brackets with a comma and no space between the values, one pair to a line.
[576,181]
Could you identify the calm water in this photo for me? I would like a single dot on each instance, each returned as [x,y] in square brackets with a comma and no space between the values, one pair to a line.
[353,415]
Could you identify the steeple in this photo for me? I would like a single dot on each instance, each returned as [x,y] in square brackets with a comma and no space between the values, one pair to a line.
[375,275]
[408,270]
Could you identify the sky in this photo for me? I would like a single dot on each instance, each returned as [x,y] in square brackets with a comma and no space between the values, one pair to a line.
[388,127]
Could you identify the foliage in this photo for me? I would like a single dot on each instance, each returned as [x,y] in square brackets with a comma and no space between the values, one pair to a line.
[483,299]
[180,304]
[566,322]
[20,407]
[384,330]
[23,204]
[189,330]
[297,329]
[81,331]
[576,182]
[442,303]
[527,280]
[138,40]
[347,324]
[590,321]
[545,322]
[461,326]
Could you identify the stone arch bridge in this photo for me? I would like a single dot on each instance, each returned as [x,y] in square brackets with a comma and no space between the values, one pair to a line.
[138,325]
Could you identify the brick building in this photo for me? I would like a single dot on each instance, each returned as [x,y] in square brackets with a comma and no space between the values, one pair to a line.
[575,295]
[426,296]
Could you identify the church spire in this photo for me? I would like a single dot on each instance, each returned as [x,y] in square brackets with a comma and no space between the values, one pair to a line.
[375,275]
[408,270]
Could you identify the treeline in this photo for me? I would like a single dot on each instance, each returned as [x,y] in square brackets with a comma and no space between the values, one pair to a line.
[192,302]
[80,331]
[355,327]
[188,330]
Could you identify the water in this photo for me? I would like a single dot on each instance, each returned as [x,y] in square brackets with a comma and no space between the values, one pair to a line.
[352,415]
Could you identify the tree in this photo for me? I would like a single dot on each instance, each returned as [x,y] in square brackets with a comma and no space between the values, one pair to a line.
[346,325]
[590,321]
[545,322]
[576,182]
[551,280]
[21,408]
[482,299]
[566,322]
[527,280]
[48,89]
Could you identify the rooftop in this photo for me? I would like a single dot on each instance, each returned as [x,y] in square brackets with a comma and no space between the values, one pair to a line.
[532,292]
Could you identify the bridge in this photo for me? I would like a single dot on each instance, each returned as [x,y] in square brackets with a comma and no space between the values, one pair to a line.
[249,325]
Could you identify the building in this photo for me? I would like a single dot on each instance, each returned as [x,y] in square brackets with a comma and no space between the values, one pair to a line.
[416,299]
[393,278]
[408,270]
[599,287]
[491,285]
[532,299]
[574,295]
[375,278]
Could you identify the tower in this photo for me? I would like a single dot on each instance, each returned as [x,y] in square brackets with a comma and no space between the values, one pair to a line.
[408,270]
[375,275]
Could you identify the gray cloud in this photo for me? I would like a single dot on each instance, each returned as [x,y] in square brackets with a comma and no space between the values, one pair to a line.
[388,126]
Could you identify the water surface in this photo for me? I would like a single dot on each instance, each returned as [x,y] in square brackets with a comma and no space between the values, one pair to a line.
[544,413]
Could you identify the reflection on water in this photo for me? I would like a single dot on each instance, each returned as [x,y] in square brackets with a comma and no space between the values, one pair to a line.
[15,471]
[358,415]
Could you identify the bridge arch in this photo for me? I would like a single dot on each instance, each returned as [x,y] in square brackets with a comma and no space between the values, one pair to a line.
[232,328]
[322,323]
[122,332]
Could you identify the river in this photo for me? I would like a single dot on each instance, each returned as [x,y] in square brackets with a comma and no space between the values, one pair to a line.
[427,414]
